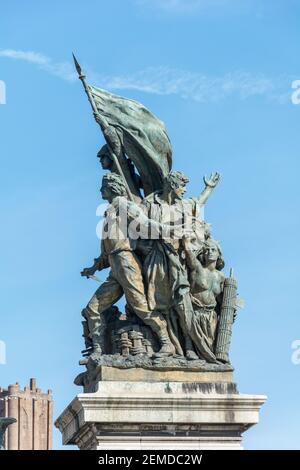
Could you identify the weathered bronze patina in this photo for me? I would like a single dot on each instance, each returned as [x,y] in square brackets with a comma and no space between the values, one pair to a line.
[4,423]
[161,255]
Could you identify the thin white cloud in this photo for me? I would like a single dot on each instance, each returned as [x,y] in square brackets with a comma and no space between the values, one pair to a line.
[169,81]
[197,86]
[179,6]
[62,70]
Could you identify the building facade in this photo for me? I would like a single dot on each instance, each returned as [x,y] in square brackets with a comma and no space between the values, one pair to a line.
[33,410]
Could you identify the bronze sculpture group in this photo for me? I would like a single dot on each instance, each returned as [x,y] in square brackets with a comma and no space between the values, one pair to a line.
[161,256]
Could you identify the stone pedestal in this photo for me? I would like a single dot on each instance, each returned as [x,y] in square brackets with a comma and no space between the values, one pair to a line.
[192,411]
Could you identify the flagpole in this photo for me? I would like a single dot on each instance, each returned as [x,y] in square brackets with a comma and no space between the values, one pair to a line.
[103,124]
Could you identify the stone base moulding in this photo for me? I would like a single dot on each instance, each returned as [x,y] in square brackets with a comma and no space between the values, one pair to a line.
[159,415]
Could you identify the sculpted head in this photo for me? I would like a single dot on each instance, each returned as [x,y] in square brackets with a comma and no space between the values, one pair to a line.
[105,158]
[175,183]
[212,253]
[112,186]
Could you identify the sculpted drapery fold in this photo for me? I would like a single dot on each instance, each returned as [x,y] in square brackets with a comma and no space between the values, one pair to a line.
[165,265]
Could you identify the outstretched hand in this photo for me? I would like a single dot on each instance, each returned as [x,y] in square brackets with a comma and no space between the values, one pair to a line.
[88,272]
[212,181]
[187,239]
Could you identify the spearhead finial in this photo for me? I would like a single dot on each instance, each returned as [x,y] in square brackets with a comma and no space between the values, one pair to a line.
[78,68]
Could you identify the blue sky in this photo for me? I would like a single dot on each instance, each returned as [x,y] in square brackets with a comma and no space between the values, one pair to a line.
[219,74]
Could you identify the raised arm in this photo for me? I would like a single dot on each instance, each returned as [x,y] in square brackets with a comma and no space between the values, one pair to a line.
[210,184]
[110,135]
[198,275]
[99,263]
[191,259]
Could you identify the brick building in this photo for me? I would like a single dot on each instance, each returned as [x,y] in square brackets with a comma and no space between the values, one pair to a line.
[33,411]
